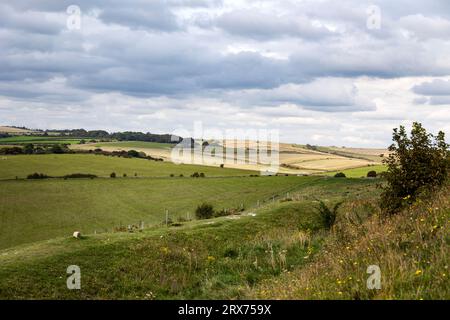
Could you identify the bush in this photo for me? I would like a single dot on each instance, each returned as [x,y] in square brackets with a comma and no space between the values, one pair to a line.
[372,174]
[125,175]
[80,176]
[327,215]
[340,175]
[37,176]
[195,175]
[415,164]
[58,149]
[28,149]
[11,150]
[204,211]
[202,175]
[113,175]
[133,153]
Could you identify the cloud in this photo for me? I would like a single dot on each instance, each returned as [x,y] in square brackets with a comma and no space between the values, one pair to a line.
[163,64]
[436,92]
[262,26]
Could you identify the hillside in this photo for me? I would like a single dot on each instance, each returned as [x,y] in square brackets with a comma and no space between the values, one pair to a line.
[199,259]
[277,251]
[293,159]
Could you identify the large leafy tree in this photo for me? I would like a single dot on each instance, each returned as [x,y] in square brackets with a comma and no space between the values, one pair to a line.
[415,164]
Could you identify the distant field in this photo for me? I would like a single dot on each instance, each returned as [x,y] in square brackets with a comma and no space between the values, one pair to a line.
[134,144]
[293,159]
[38,140]
[11,130]
[44,209]
[360,172]
[102,166]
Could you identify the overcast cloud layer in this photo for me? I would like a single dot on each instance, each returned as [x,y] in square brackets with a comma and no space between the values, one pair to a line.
[313,69]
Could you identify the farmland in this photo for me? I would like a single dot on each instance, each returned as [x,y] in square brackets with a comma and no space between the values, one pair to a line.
[17,140]
[62,164]
[36,210]
[222,251]
[360,172]
[293,159]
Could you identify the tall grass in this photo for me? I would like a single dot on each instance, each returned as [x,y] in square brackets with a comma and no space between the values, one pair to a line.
[410,248]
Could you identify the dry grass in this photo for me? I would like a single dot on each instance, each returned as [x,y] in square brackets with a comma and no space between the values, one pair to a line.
[292,159]
[11,130]
[411,249]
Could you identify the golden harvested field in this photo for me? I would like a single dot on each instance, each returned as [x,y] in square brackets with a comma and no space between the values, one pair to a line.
[293,159]
[10,130]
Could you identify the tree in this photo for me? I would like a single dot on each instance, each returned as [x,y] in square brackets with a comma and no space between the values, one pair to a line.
[28,149]
[372,174]
[204,211]
[415,164]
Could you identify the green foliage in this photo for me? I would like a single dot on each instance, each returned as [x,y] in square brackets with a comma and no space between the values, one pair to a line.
[37,176]
[113,175]
[80,176]
[372,174]
[340,175]
[204,211]
[415,164]
[327,215]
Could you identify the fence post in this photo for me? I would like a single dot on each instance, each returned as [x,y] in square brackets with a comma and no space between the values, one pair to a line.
[167,217]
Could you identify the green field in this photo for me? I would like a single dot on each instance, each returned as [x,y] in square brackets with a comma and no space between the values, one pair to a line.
[201,259]
[37,140]
[37,210]
[134,144]
[360,172]
[102,166]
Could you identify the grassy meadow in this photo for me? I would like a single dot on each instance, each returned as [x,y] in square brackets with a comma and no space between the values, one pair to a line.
[360,172]
[16,140]
[219,258]
[33,210]
[102,166]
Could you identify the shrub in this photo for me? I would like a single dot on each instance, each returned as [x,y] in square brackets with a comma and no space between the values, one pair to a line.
[202,175]
[113,175]
[133,153]
[415,164]
[204,211]
[372,174]
[28,149]
[195,175]
[58,149]
[172,175]
[80,176]
[125,175]
[37,176]
[340,175]
[327,215]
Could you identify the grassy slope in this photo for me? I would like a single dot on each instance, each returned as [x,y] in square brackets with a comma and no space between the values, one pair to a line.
[134,144]
[411,249]
[360,172]
[38,140]
[59,165]
[199,260]
[37,210]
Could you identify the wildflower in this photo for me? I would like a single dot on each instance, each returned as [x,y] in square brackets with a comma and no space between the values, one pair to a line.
[211,259]
[418,272]
[165,250]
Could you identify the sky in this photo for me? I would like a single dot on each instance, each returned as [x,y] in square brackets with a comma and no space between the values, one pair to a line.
[323,72]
